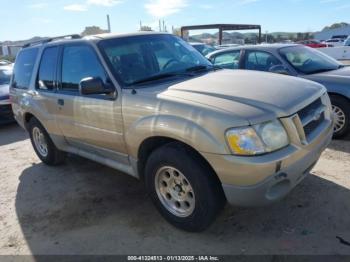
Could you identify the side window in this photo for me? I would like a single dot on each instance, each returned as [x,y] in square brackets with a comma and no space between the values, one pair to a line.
[24,66]
[79,62]
[228,60]
[47,70]
[260,61]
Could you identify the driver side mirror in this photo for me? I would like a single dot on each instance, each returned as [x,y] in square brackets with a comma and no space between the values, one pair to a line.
[279,69]
[94,86]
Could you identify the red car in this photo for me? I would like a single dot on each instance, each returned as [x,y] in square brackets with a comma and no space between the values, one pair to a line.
[313,44]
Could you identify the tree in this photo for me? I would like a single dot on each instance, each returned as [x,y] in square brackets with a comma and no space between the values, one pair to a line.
[93,30]
[336,25]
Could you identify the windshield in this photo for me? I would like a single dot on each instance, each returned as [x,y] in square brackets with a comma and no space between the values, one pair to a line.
[204,49]
[5,76]
[136,58]
[307,60]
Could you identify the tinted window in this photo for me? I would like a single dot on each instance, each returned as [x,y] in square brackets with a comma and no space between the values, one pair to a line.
[79,62]
[47,70]
[140,57]
[228,60]
[260,61]
[24,68]
[5,76]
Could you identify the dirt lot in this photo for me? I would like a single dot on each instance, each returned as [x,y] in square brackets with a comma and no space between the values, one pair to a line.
[85,208]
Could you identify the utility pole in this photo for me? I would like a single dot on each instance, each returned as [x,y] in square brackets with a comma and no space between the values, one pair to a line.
[266,36]
[108,24]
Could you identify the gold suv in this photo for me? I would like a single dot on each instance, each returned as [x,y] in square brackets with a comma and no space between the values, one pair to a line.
[151,106]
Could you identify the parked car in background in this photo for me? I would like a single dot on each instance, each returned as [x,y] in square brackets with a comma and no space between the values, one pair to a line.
[335,42]
[313,43]
[299,61]
[6,114]
[204,49]
[224,46]
[347,42]
[158,111]
[4,62]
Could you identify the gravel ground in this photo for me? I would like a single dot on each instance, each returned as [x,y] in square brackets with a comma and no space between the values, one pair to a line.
[85,208]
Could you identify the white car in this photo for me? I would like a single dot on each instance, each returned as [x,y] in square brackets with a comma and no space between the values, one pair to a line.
[335,42]
[5,105]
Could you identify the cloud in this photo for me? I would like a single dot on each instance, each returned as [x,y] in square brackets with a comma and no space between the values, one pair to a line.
[104,2]
[163,8]
[85,7]
[75,8]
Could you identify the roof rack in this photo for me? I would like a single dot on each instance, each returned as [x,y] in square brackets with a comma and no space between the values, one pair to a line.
[48,40]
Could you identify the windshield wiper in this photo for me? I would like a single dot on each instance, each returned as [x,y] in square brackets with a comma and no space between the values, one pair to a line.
[158,77]
[199,68]
[322,70]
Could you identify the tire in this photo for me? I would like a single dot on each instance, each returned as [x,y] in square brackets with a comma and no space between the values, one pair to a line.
[341,111]
[47,152]
[196,183]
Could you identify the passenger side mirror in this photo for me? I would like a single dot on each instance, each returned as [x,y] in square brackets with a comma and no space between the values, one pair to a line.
[279,69]
[94,86]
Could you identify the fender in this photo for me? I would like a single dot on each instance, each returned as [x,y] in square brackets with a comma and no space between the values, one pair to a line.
[174,127]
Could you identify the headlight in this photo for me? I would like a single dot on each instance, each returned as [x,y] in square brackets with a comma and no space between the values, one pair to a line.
[258,139]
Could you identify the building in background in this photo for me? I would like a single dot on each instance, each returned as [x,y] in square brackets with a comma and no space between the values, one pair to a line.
[9,50]
[331,33]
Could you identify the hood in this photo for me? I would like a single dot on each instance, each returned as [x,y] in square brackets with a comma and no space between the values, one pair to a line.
[340,76]
[250,95]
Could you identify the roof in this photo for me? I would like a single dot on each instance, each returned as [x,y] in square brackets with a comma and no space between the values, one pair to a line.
[78,38]
[111,36]
[196,43]
[255,47]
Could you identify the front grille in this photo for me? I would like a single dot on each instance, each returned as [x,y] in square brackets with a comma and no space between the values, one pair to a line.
[312,116]
[305,112]
[309,128]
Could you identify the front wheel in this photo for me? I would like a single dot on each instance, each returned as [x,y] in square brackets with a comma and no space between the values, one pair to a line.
[341,114]
[183,187]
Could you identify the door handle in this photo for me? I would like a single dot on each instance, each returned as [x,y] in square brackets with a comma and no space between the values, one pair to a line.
[60,102]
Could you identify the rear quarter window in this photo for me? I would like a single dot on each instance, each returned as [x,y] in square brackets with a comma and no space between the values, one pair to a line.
[24,66]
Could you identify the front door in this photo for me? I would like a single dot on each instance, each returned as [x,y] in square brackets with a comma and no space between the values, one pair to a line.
[92,123]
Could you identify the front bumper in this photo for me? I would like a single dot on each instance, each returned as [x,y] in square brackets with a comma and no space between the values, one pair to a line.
[261,180]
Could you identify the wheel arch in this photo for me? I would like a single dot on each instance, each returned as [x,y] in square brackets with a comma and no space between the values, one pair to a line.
[334,94]
[151,144]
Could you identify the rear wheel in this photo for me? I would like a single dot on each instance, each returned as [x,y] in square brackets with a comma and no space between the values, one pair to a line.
[341,113]
[43,145]
[183,187]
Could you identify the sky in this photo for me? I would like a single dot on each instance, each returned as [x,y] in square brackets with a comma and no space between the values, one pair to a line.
[23,19]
